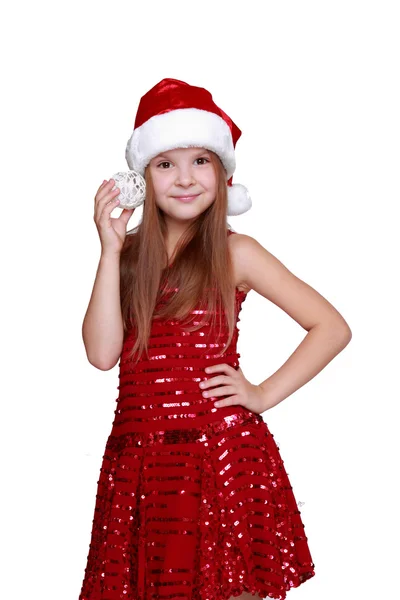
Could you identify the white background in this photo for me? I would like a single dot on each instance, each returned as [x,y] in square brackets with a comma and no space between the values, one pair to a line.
[314,87]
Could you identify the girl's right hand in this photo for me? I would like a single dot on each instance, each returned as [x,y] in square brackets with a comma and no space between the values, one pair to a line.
[112,231]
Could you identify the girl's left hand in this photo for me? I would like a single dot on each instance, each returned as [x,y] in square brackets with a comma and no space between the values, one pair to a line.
[234,382]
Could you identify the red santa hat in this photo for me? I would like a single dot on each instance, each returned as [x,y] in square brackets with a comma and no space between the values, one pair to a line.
[174,114]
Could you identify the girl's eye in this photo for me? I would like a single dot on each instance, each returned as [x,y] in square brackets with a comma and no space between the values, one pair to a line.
[166,162]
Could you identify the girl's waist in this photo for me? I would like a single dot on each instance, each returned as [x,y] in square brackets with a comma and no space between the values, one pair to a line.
[155,413]
[184,361]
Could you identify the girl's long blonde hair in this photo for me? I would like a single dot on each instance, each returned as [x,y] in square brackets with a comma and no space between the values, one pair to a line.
[202,269]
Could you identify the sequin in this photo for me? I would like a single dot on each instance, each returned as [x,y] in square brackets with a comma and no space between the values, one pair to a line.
[193,502]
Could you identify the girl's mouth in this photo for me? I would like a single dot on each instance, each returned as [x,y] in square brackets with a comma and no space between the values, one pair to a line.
[186,198]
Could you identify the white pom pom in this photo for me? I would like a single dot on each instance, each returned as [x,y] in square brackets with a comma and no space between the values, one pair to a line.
[133,189]
[239,200]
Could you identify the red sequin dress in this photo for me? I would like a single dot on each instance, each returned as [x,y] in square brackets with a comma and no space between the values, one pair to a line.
[193,501]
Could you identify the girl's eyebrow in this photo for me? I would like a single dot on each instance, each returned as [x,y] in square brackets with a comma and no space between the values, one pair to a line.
[198,153]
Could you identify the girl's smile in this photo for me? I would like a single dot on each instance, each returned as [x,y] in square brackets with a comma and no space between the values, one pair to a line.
[187,198]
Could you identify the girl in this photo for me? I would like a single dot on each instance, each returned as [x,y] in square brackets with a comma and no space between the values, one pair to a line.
[193,500]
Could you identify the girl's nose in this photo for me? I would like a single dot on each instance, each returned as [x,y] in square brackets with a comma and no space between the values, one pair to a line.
[185,177]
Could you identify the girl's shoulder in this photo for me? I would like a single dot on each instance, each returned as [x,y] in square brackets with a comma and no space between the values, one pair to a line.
[235,242]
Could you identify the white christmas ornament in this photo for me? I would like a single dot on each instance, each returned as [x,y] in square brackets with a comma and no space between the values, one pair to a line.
[133,189]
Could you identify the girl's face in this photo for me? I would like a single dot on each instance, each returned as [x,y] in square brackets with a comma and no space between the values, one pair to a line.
[179,173]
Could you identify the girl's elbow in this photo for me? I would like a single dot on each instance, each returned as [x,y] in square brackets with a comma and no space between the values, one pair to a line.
[345,334]
[101,363]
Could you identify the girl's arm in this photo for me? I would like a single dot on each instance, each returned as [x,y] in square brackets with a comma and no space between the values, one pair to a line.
[328,333]
[102,328]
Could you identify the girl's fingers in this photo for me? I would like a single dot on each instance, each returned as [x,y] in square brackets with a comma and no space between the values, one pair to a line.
[110,205]
[104,196]
[101,186]
[126,214]
[104,208]
[105,188]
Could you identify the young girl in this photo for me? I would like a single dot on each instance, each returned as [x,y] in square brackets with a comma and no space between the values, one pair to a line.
[193,500]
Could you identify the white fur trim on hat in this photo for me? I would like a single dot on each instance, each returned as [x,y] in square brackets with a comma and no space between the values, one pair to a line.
[181,128]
